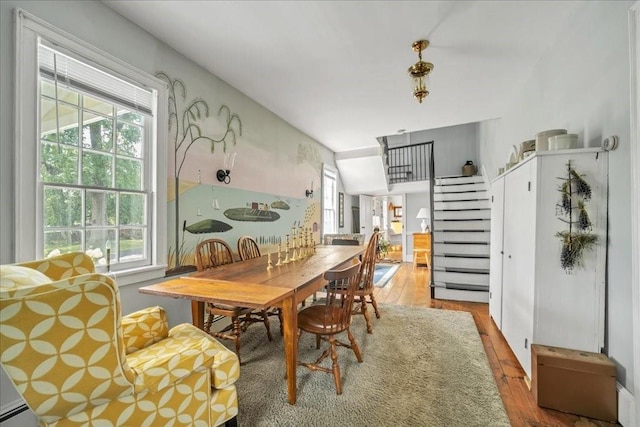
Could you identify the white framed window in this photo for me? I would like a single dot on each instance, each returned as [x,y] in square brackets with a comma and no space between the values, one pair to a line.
[329,200]
[90,154]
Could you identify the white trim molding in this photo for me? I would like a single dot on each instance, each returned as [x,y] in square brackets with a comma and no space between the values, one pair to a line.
[634,61]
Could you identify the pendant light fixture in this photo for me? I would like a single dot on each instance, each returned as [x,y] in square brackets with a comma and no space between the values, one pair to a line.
[419,72]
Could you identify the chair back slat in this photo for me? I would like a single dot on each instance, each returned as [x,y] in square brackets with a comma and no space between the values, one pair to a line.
[248,248]
[338,303]
[213,253]
[365,275]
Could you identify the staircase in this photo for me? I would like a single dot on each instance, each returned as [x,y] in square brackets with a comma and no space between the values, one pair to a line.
[461,239]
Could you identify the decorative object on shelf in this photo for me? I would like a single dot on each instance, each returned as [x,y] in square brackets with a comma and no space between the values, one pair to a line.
[419,72]
[526,147]
[563,142]
[423,214]
[224,175]
[469,169]
[542,138]
[575,192]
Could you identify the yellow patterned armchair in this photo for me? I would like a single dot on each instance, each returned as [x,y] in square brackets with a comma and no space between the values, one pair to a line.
[76,361]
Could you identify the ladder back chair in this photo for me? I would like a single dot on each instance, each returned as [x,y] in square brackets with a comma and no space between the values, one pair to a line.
[248,249]
[213,253]
[333,317]
[363,294]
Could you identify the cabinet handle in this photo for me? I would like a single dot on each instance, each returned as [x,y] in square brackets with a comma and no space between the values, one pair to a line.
[509,256]
[501,252]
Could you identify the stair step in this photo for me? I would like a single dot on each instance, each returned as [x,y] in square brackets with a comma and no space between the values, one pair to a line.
[462,215]
[472,249]
[467,195]
[464,205]
[449,262]
[475,225]
[459,188]
[473,279]
[461,236]
[477,295]
[458,180]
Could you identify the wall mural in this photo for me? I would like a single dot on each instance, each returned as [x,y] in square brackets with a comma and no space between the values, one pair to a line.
[200,208]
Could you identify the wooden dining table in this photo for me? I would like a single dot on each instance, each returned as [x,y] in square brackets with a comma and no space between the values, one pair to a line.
[251,284]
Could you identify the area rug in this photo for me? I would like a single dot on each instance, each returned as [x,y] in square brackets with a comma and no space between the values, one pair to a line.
[384,272]
[422,367]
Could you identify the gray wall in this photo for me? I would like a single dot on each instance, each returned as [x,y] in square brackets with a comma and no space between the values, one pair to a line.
[582,85]
[452,147]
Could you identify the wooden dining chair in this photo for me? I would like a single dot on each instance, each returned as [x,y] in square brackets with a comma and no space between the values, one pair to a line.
[328,319]
[248,249]
[213,253]
[364,292]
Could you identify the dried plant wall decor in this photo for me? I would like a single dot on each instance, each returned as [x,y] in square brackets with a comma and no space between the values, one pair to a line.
[575,194]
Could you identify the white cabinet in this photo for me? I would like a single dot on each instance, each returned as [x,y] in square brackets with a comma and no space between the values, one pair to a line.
[540,302]
[495,266]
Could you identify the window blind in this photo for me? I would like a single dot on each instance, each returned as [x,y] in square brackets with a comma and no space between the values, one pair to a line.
[83,77]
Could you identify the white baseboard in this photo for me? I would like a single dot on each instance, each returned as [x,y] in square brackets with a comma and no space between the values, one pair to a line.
[626,407]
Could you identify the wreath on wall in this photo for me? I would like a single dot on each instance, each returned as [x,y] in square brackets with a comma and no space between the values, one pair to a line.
[572,210]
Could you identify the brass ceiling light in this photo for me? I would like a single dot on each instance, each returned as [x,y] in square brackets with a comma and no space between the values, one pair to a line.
[419,72]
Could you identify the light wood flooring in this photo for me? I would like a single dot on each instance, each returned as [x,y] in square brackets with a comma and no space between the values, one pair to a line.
[409,286]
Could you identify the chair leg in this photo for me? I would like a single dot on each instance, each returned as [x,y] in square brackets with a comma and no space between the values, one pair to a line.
[365,312]
[207,325]
[354,345]
[233,422]
[374,303]
[280,319]
[265,319]
[318,341]
[335,365]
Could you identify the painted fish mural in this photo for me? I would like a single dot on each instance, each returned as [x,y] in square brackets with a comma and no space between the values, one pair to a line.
[256,212]
[207,226]
[279,204]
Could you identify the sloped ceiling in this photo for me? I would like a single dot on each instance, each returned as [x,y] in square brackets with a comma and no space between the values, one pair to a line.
[337,70]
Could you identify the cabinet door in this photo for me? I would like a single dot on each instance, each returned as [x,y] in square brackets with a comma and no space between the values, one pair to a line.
[495,272]
[518,262]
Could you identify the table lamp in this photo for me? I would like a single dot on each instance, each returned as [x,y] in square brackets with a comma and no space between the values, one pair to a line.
[423,214]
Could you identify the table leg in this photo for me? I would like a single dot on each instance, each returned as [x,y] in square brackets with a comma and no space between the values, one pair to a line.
[197,313]
[290,322]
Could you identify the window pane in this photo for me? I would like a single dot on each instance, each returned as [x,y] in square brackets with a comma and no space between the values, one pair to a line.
[131,244]
[130,139]
[97,105]
[96,245]
[97,132]
[58,165]
[100,208]
[96,169]
[130,116]
[128,174]
[132,209]
[62,207]
[67,118]
[62,242]
[64,94]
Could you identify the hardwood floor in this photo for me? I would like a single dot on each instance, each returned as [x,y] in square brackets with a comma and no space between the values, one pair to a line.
[409,286]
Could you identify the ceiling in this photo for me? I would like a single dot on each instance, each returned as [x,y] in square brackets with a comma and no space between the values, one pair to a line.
[337,70]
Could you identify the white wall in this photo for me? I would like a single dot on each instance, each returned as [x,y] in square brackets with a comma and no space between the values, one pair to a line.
[582,85]
[413,203]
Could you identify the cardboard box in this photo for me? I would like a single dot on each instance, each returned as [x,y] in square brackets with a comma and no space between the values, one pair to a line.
[577,382]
